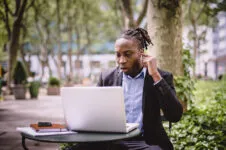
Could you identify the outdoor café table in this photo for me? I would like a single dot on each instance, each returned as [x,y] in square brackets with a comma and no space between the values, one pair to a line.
[80,137]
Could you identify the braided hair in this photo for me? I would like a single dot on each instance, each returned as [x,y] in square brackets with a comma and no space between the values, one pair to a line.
[140,35]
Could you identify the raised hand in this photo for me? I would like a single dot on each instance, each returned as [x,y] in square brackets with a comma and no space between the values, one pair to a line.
[150,63]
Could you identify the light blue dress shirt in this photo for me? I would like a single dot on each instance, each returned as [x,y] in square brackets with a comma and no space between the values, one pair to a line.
[133,94]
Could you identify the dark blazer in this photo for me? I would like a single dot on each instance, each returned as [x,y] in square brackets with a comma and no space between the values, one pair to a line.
[162,95]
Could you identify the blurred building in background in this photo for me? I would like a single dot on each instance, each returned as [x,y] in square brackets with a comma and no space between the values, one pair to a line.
[212,63]
[219,46]
[211,58]
[87,66]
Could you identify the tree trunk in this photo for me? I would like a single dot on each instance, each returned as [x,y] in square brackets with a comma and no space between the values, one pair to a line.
[50,70]
[26,64]
[42,67]
[59,62]
[128,14]
[195,48]
[78,42]
[59,54]
[194,17]
[69,19]
[165,30]
[14,35]
[13,47]
[70,53]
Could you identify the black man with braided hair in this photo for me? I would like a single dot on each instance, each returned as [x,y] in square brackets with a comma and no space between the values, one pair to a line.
[147,89]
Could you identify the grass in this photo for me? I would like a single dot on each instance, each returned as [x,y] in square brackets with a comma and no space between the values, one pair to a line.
[205,90]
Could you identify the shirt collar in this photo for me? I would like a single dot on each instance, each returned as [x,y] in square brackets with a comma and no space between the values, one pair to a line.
[140,75]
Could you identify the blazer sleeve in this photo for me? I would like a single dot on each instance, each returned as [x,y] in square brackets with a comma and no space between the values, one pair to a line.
[169,103]
[100,81]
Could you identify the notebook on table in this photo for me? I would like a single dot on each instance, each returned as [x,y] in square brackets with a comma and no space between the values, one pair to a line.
[53,128]
[95,109]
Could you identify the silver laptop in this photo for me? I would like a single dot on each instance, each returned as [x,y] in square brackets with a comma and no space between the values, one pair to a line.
[97,109]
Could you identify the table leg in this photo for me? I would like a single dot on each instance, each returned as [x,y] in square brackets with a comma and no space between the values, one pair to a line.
[23,143]
[109,145]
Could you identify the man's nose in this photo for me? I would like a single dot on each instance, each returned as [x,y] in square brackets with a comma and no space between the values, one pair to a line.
[122,60]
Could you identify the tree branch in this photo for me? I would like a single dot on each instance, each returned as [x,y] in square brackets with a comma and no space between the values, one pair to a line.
[2,16]
[191,18]
[21,11]
[127,9]
[17,7]
[7,8]
[143,13]
[40,34]
[7,26]
[24,30]
[30,5]
[201,10]
[38,29]
[123,15]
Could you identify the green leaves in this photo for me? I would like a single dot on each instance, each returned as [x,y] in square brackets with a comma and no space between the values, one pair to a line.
[185,84]
[203,126]
[20,74]
[53,81]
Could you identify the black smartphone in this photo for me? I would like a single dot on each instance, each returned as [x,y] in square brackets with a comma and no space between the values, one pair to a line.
[44,124]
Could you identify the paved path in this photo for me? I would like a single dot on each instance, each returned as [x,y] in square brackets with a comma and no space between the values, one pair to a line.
[20,113]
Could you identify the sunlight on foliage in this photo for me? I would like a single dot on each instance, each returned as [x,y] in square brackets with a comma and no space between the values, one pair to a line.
[203,126]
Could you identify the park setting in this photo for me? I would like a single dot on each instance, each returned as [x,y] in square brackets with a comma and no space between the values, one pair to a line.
[46,45]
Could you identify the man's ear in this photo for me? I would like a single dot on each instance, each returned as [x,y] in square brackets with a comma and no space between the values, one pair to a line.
[140,51]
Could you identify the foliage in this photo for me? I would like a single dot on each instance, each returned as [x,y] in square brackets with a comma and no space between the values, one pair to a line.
[185,84]
[53,81]
[12,14]
[201,12]
[3,55]
[34,89]
[20,74]
[67,146]
[184,89]
[188,62]
[203,127]
[90,22]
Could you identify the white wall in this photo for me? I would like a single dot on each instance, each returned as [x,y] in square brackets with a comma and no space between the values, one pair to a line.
[84,71]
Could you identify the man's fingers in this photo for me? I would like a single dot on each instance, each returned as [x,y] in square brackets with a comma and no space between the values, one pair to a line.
[147,59]
[145,55]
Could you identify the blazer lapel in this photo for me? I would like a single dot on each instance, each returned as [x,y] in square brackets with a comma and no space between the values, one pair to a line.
[148,80]
[118,77]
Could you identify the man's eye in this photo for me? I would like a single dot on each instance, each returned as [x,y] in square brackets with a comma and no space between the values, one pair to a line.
[128,54]
[118,55]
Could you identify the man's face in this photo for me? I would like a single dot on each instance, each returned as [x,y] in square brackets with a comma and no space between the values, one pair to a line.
[128,56]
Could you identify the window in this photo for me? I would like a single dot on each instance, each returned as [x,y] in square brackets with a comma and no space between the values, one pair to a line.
[95,64]
[222,33]
[222,45]
[111,64]
[78,64]
[222,21]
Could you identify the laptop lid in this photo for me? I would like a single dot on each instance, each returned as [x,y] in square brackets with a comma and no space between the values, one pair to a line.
[98,109]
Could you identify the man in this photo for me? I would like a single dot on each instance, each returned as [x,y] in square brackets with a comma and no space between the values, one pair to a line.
[146,90]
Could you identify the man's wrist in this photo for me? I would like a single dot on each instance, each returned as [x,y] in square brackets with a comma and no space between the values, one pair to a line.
[156,77]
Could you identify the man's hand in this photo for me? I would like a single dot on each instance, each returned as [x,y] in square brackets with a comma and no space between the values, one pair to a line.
[151,63]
